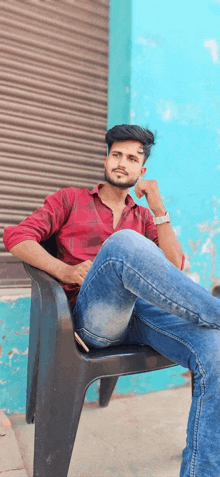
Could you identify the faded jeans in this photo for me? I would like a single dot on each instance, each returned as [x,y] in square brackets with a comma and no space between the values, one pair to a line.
[133,295]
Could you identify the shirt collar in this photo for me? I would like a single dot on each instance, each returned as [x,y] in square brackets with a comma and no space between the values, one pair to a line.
[129,201]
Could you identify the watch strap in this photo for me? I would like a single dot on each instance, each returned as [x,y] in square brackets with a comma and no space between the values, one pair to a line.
[161,220]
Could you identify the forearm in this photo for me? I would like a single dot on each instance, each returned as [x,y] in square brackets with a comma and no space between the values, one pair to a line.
[169,243]
[33,253]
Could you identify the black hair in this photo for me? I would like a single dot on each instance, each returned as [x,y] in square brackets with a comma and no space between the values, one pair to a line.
[126,132]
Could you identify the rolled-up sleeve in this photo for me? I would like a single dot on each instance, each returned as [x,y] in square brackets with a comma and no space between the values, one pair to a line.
[151,228]
[42,223]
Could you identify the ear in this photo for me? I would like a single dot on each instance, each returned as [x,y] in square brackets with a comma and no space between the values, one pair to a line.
[105,160]
[143,170]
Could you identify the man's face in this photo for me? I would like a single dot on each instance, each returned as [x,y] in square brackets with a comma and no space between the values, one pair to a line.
[124,164]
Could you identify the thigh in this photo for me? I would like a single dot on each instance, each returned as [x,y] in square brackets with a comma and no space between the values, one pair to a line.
[191,346]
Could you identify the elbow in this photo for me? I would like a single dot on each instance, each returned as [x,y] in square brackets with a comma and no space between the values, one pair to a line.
[179,262]
[183,258]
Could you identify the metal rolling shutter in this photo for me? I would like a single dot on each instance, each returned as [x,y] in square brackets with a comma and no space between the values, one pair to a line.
[53,106]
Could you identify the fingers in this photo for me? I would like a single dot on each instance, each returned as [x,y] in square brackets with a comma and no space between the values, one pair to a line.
[80,280]
[83,269]
[138,191]
[75,274]
[85,266]
[88,263]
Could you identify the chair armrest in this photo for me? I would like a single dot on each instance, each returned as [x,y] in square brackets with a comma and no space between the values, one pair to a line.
[55,308]
[52,347]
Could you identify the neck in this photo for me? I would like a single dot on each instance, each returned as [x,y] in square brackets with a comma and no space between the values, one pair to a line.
[113,194]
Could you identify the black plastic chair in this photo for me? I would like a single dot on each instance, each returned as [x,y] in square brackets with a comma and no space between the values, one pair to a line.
[59,372]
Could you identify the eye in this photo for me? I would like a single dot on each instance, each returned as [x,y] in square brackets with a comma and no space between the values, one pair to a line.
[132,158]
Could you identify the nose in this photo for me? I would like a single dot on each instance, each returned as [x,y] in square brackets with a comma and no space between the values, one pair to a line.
[122,161]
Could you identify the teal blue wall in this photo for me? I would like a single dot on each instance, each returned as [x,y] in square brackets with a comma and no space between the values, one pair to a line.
[119,82]
[14,336]
[175,91]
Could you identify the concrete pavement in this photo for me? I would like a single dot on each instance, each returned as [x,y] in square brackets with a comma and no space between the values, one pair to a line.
[135,436]
[11,463]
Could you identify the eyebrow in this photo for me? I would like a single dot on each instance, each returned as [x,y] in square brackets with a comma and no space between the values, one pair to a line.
[130,155]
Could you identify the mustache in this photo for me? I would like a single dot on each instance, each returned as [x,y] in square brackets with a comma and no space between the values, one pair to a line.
[120,170]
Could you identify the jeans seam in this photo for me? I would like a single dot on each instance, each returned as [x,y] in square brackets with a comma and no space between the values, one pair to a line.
[195,437]
[202,387]
[99,338]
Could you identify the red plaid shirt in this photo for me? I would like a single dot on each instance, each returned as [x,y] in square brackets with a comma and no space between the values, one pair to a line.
[81,223]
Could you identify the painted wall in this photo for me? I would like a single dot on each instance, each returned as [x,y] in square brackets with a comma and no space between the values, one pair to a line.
[14,336]
[175,91]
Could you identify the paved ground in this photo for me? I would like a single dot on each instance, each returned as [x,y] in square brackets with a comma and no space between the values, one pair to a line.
[135,436]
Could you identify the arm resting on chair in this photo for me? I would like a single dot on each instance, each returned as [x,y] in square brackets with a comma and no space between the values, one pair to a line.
[39,278]
[32,252]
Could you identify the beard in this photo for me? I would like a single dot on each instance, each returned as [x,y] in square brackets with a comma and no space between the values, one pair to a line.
[125,185]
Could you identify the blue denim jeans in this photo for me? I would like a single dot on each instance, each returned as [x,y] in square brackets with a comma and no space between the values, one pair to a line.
[133,295]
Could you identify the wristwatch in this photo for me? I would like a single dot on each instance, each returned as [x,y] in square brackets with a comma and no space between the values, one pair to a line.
[162,220]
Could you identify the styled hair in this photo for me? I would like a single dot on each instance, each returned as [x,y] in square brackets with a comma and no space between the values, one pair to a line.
[126,132]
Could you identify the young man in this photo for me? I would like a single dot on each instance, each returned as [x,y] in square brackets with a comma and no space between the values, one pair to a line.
[121,269]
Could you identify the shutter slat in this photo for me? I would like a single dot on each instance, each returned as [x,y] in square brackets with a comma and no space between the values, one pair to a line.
[32,83]
[54,99]
[81,55]
[55,115]
[22,137]
[24,188]
[41,157]
[79,81]
[28,123]
[56,37]
[58,15]
[15,164]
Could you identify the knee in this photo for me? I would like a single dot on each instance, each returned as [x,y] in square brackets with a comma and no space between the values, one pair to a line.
[130,238]
[128,243]
[138,244]
[206,363]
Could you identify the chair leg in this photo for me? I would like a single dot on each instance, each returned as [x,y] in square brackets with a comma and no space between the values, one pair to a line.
[61,387]
[33,355]
[107,387]
[56,423]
